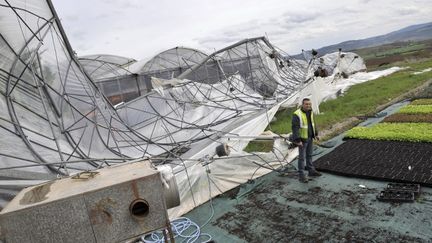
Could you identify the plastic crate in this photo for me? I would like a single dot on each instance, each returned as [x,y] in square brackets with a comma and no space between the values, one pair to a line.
[404,187]
[396,196]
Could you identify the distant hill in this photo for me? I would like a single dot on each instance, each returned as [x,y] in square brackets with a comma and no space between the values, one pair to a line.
[411,33]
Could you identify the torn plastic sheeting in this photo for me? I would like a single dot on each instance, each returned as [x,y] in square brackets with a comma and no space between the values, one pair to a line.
[323,89]
[231,172]
[225,174]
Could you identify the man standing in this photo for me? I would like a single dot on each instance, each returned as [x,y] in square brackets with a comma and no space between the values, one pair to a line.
[304,131]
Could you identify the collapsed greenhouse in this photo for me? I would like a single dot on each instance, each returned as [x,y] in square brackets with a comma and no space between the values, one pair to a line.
[122,79]
[61,115]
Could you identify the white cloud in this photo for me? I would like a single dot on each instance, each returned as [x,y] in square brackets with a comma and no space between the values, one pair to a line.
[140,29]
[300,17]
[408,10]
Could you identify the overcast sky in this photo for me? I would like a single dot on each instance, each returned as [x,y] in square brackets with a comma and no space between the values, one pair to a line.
[142,28]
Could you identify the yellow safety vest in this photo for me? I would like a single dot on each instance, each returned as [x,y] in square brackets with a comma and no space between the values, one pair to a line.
[303,123]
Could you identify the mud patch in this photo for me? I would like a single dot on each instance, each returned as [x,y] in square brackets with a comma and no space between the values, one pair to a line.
[264,218]
[351,202]
[400,117]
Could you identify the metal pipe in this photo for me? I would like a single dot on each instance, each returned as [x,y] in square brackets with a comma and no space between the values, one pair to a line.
[195,67]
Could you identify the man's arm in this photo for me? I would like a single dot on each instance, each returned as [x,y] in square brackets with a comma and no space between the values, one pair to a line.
[295,127]
[316,131]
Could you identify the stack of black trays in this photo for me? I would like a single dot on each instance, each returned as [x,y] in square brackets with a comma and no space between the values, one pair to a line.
[399,192]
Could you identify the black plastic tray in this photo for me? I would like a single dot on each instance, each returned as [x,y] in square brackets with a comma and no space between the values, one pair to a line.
[396,196]
[404,187]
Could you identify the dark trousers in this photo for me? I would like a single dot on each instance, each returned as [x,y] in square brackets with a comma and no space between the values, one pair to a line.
[305,152]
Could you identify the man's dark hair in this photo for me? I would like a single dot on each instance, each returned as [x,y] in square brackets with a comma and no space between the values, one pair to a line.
[305,99]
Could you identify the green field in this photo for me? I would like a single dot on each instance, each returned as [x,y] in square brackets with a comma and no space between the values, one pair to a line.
[416,109]
[396,53]
[359,100]
[392,49]
[422,102]
[408,132]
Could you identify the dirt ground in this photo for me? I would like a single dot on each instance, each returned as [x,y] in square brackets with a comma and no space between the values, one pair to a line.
[409,118]
[330,208]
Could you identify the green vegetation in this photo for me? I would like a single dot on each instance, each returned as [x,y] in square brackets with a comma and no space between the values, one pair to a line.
[422,102]
[261,146]
[393,49]
[388,55]
[409,132]
[360,100]
[416,109]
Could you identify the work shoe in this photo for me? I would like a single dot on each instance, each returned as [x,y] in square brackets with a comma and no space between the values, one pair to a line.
[314,173]
[303,179]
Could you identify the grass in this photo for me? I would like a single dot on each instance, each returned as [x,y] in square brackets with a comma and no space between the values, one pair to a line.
[416,109]
[422,102]
[360,100]
[408,132]
[261,146]
[403,49]
[388,55]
